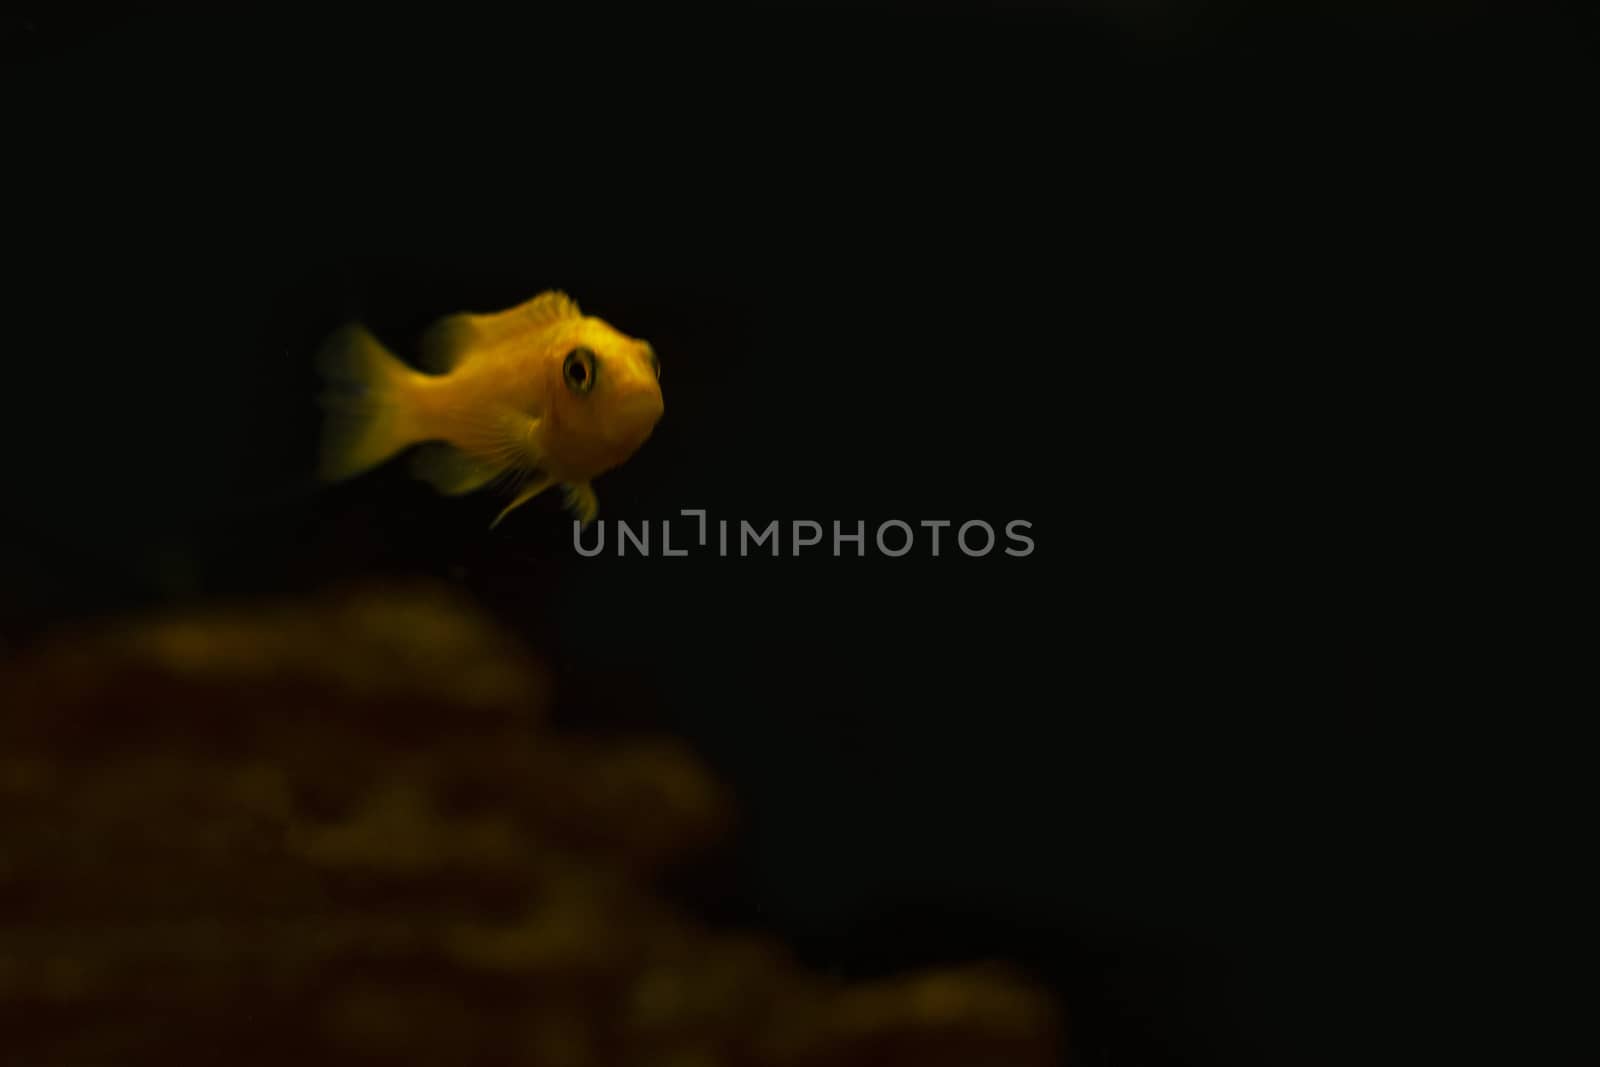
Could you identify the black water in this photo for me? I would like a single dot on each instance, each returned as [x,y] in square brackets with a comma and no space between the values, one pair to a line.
[1159,286]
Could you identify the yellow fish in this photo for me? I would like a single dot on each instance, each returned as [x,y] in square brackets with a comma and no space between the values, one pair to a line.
[534,396]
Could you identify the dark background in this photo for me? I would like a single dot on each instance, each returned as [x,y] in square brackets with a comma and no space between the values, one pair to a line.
[1167,281]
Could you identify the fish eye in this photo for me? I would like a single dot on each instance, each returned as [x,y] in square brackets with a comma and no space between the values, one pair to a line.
[578,370]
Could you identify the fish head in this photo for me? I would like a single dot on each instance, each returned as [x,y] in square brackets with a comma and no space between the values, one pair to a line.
[607,396]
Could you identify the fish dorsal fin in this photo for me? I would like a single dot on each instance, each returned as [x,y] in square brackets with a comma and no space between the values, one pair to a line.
[451,340]
[548,307]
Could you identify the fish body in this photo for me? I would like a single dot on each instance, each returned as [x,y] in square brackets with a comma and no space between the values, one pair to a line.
[535,396]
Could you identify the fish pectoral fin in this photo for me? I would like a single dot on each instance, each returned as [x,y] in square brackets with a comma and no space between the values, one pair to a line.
[450,470]
[513,438]
[581,501]
[503,438]
[529,491]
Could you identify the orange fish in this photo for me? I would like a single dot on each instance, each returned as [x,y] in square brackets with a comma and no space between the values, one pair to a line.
[534,396]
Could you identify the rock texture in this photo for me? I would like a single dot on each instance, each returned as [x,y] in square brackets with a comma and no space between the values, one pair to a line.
[339,831]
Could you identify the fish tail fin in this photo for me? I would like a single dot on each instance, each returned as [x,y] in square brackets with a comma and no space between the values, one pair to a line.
[368,401]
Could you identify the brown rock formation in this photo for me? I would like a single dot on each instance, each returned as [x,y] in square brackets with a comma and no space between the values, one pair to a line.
[338,832]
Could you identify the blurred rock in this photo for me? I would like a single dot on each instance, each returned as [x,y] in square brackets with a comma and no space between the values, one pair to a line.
[337,832]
